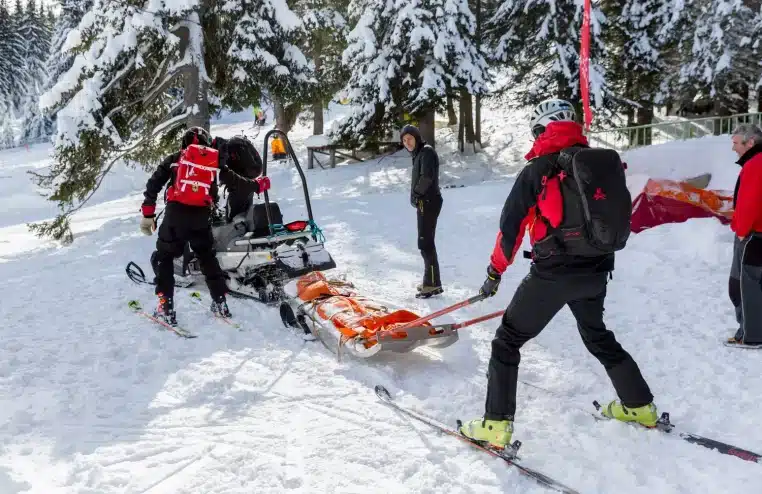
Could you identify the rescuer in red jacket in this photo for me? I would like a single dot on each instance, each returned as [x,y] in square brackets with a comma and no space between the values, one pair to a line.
[566,270]
[745,284]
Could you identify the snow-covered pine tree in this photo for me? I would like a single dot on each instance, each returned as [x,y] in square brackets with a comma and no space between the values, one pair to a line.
[718,53]
[636,57]
[145,70]
[115,100]
[59,61]
[37,40]
[539,40]
[264,52]
[17,62]
[402,54]
[6,86]
[324,40]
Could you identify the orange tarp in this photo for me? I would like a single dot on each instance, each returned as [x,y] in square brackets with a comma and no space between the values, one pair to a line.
[669,201]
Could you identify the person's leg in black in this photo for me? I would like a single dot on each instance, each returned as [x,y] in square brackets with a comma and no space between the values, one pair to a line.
[169,245]
[428,214]
[751,290]
[734,287]
[536,301]
[624,373]
[202,243]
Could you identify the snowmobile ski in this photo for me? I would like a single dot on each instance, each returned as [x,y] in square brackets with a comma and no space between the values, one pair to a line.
[136,274]
[136,307]
[509,454]
[196,297]
[664,425]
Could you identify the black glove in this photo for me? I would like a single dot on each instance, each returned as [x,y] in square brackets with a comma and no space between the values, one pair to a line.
[489,288]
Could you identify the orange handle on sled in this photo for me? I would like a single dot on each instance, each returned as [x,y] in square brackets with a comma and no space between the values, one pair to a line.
[423,332]
[446,310]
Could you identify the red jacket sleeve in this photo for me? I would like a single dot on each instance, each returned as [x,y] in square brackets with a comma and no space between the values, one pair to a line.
[498,260]
[748,211]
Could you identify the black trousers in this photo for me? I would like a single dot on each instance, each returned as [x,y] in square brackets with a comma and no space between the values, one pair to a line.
[535,303]
[745,287]
[428,214]
[187,224]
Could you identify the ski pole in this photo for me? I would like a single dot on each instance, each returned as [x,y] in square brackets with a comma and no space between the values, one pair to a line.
[446,310]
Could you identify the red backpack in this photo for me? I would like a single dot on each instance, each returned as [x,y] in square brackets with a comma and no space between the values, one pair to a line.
[195,172]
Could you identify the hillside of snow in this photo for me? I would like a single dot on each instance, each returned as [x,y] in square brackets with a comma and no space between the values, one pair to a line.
[94,399]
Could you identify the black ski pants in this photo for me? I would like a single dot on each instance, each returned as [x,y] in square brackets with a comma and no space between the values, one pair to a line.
[187,224]
[536,301]
[428,214]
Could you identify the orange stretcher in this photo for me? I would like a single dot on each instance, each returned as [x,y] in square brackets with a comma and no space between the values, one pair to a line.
[334,312]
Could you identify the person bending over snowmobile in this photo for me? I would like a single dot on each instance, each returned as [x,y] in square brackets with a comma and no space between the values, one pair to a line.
[192,177]
[575,202]
[244,160]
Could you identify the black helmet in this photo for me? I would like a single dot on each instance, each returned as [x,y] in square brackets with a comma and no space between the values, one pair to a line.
[196,135]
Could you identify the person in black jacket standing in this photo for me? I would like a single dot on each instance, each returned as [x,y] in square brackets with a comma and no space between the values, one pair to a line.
[185,223]
[426,197]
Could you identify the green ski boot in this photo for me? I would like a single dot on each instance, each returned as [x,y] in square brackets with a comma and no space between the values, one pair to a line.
[495,432]
[646,415]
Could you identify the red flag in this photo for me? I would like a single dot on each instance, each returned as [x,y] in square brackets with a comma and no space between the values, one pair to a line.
[584,65]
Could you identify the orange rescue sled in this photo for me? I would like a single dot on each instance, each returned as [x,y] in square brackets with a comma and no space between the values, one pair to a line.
[335,313]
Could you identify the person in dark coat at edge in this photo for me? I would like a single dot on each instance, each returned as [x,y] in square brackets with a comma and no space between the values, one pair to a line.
[189,224]
[745,285]
[426,198]
[553,282]
[244,160]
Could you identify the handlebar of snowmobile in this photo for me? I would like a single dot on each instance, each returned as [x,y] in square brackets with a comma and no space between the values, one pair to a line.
[446,310]
[291,153]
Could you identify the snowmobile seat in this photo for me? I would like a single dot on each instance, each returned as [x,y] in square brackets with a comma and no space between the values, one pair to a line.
[256,219]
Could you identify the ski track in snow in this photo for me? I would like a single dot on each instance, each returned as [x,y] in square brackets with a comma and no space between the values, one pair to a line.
[98,400]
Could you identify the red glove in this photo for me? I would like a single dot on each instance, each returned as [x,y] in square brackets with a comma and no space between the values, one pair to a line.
[264,183]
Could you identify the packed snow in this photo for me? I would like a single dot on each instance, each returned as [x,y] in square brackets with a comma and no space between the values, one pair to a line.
[94,399]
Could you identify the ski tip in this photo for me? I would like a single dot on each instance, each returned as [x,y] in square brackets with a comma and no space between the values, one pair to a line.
[596,405]
[382,393]
[134,305]
[195,295]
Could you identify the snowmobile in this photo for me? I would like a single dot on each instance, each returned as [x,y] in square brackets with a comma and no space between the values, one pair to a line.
[258,252]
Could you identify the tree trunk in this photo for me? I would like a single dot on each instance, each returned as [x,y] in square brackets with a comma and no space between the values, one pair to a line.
[645,117]
[317,104]
[452,118]
[285,116]
[426,126]
[194,88]
[468,115]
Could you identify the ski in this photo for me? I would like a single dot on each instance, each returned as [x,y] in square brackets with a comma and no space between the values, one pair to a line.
[509,455]
[196,297]
[732,344]
[136,307]
[664,425]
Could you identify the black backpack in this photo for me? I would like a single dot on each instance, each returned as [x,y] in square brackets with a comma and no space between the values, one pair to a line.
[243,157]
[597,205]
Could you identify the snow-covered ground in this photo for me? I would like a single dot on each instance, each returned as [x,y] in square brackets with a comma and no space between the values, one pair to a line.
[94,399]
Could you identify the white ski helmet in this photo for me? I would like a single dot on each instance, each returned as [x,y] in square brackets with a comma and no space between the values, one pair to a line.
[550,110]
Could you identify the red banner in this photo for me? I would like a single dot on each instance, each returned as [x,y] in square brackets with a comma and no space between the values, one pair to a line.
[584,65]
